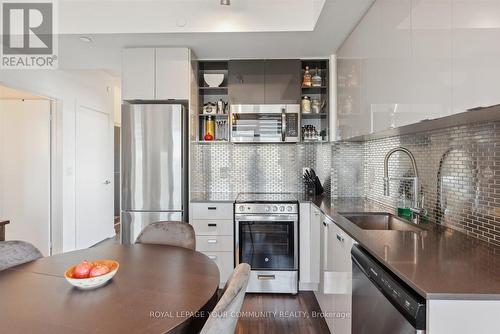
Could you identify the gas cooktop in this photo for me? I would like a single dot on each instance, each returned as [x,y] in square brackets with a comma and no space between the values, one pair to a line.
[266,198]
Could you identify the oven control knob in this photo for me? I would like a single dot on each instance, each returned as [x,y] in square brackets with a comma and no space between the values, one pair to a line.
[289,208]
[282,208]
[268,208]
[242,208]
[275,208]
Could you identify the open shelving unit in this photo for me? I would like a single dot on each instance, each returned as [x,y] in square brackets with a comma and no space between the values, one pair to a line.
[206,94]
[320,120]
[213,94]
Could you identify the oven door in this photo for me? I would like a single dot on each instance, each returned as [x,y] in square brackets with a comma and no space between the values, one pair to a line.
[267,242]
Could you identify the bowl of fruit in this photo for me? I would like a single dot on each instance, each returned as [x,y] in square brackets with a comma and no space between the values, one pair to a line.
[91,275]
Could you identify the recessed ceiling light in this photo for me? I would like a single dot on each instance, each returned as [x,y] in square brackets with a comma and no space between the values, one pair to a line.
[85,39]
[225,2]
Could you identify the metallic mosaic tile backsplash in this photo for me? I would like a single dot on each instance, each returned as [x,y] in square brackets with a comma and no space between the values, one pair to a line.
[348,170]
[459,172]
[257,167]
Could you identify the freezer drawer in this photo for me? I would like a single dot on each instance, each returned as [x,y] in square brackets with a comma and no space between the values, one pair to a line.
[134,222]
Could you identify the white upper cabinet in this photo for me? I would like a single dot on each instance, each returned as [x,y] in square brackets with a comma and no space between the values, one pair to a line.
[155,74]
[138,74]
[172,73]
[411,60]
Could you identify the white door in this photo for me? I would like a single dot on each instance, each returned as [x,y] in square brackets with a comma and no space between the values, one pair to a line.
[25,171]
[94,177]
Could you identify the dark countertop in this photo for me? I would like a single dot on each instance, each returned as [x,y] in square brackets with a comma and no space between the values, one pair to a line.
[4,222]
[439,263]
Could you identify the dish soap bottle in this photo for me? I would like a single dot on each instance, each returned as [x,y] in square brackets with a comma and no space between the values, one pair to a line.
[403,209]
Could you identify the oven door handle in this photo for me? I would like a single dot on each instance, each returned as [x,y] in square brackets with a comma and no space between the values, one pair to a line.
[257,218]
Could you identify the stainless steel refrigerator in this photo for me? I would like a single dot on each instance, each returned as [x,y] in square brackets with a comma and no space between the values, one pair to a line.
[154,166]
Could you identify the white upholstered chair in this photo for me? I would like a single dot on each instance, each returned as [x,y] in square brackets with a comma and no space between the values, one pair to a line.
[224,317]
[171,233]
[14,253]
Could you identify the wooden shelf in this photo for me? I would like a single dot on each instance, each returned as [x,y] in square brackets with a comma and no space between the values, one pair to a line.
[214,115]
[213,88]
[314,141]
[312,115]
[212,141]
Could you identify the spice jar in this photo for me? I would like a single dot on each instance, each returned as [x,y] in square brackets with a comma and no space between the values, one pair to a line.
[210,128]
[316,80]
[305,105]
[306,82]
[315,106]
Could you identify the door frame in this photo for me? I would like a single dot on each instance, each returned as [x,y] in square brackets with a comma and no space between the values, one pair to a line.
[55,160]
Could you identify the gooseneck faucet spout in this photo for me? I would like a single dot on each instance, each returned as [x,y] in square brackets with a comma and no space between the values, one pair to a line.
[417,205]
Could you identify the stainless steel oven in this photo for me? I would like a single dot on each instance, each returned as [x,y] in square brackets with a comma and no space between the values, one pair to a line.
[266,123]
[266,237]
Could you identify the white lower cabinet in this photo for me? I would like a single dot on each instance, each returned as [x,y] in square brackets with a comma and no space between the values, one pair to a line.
[334,292]
[214,243]
[309,225]
[224,261]
[214,228]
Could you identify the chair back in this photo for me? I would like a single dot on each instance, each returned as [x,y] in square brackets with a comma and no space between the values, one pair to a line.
[14,253]
[224,317]
[172,233]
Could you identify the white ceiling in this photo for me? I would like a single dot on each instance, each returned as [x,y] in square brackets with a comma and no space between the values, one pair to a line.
[337,19]
[179,16]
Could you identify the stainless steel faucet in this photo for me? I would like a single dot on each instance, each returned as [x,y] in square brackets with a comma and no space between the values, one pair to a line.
[418,201]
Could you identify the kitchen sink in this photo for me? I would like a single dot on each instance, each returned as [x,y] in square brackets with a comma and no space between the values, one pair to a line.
[381,221]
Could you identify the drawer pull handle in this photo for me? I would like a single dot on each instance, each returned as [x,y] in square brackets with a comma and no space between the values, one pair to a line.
[212,225]
[212,257]
[340,238]
[266,277]
[212,241]
[212,208]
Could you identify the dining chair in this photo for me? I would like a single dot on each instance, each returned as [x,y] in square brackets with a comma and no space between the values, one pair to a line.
[224,317]
[13,253]
[173,233]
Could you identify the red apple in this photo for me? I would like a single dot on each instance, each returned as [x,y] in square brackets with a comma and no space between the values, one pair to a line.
[98,270]
[82,270]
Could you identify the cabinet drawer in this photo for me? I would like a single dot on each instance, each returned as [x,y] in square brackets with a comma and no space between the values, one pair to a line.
[213,227]
[206,243]
[224,261]
[212,211]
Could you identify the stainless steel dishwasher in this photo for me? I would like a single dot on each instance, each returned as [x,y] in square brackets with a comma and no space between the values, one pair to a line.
[382,303]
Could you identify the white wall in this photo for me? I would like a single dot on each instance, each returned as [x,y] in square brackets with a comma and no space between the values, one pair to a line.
[71,89]
[410,60]
[25,171]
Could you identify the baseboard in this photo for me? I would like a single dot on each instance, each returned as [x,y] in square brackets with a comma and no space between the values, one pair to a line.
[303,286]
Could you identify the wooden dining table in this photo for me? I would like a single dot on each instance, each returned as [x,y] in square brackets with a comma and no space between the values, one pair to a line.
[157,289]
